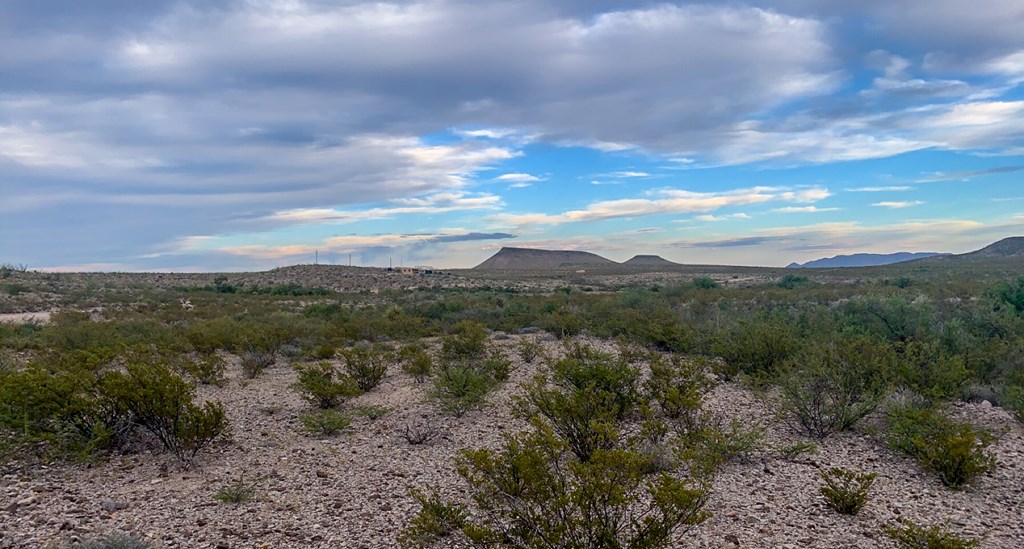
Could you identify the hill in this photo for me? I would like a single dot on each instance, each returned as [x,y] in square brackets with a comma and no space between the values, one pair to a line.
[526,259]
[1007,247]
[862,260]
[649,261]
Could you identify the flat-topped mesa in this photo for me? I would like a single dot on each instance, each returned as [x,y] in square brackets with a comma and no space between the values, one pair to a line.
[649,261]
[528,259]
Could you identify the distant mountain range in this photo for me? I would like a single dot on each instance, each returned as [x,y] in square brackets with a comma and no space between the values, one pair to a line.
[527,259]
[862,260]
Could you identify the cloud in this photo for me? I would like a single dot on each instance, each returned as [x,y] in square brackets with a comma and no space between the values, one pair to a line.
[666,201]
[889,188]
[518,178]
[898,204]
[714,218]
[804,209]
[342,244]
[428,204]
[955,176]
[730,243]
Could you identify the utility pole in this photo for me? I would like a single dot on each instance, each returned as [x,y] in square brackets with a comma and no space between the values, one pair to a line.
[316,257]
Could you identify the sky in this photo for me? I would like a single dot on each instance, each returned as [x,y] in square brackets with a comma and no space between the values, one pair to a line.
[246,135]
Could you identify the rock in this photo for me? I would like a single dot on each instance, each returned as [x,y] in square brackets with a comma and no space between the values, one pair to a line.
[110,505]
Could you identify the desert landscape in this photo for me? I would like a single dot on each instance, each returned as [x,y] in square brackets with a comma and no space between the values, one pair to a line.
[348,401]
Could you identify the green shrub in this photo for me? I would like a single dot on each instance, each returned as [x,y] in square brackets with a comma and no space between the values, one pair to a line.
[677,385]
[416,362]
[1009,295]
[367,365]
[909,535]
[711,444]
[755,346]
[929,371]
[254,362]
[587,369]
[534,493]
[208,369]
[705,283]
[529,350]
[162,403]
[467,340]
[435,520]
[1012,398]
[238,491]
[117,540]
[372,413]
[957,452]
[830,387]
[792,281]
[323,386]
[460,387]
[61,405]
[583,399]
[846,491]
[325,423]
[324,351]
[798,449]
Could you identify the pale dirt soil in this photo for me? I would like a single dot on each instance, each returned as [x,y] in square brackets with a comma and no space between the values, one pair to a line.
[352,490]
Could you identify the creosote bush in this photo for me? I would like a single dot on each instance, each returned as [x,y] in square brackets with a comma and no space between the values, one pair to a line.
[237,491]
[956,452]
[468,339]
[710,444]
[435,520]
[208,369]
[677,386]
[462,386]
[367,365]
[909,535]
[583,399]
[831,386]
[162,402]
[325,423]
[255,361]
[416,362]
[372,413]
[846,491]
[533,492]
[529,350]
[323,386]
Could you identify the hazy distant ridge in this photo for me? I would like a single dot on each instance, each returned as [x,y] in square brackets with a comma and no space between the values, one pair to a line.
[862,260]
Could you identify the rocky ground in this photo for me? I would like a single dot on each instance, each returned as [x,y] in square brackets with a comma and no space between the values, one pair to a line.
[353,490]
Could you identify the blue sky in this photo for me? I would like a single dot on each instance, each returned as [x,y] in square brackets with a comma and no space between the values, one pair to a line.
[239,135]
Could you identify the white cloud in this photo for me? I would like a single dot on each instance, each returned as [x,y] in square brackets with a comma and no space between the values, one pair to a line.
[666,201]
[519,177]
[898,204]
[890,188]
[804,209]
[427,204]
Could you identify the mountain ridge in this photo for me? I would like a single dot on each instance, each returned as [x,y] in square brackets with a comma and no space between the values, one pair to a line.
[862,260]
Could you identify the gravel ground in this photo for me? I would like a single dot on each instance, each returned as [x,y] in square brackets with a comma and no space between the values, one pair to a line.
[352,490]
